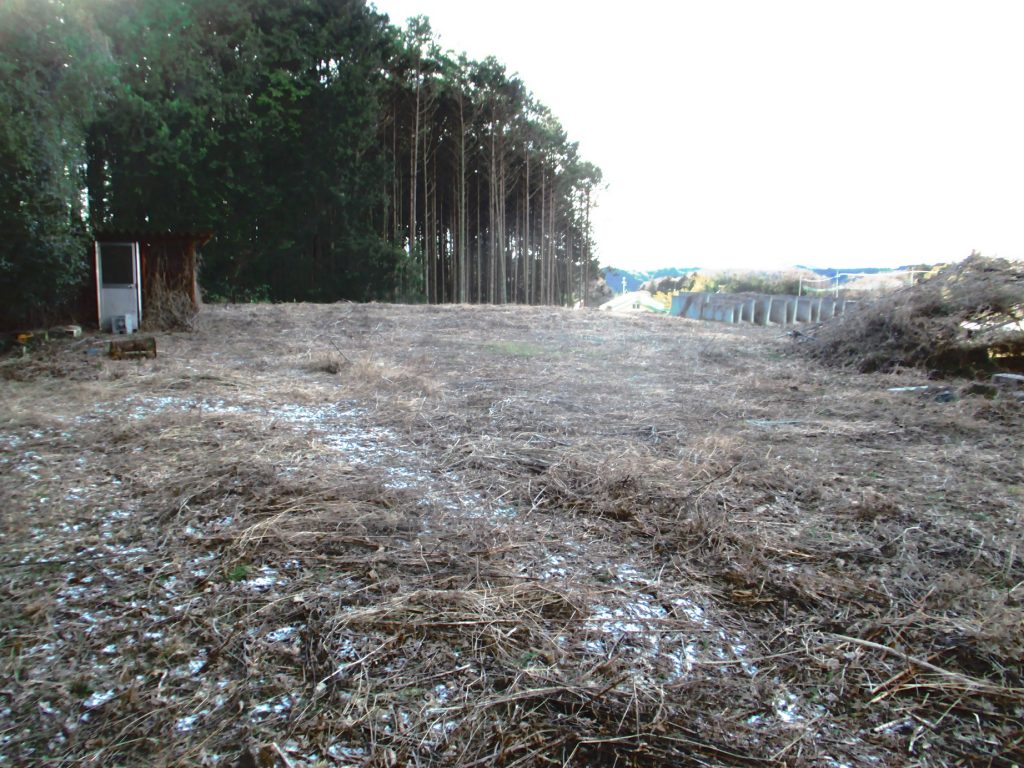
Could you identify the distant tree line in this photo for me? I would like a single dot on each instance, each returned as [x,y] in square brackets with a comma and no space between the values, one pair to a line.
[724,281]
[335,155]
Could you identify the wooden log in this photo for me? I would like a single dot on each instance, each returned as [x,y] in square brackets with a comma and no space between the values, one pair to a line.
[133,348]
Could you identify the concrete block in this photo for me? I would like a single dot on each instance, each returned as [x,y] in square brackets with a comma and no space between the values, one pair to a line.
[802,311]
[761,307]
[816,310]
[748,311]
[67,332]
[1008,380]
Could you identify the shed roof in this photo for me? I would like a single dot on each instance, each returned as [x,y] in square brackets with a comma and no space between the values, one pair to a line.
[142,236]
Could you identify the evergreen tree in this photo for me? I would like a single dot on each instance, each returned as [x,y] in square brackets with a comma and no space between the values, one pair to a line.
[334,154]
[54,68]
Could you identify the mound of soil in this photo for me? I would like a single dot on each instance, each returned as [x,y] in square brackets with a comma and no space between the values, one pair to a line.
[964,320]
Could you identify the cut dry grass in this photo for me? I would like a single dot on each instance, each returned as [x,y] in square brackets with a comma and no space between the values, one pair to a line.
[969,318]
[376,536]
[168,309]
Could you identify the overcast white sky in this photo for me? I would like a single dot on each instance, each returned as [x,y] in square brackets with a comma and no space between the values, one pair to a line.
[767,133]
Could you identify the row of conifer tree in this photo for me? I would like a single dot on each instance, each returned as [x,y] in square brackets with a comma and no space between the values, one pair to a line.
[334,154]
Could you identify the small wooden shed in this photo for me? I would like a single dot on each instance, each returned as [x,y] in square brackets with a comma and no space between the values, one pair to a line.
[139,272]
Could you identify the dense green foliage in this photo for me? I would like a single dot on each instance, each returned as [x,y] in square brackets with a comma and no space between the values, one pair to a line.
[53,69]
[334,154]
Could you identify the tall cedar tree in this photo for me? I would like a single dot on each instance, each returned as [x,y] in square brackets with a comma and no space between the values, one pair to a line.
[334,154]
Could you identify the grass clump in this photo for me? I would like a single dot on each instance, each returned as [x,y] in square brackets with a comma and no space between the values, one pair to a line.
[516,349]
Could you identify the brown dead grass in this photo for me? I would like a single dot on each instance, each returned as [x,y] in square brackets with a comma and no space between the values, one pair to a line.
[382,535]
[168,309]
[964,320]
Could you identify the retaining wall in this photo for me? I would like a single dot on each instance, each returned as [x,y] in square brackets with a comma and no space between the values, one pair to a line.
[759,309]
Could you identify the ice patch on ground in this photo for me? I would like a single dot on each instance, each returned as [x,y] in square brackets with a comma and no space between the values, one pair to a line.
[98,699]
[345,752]
[787,707]
[269,577]
[692,611]
[186,724]
[557,569]
[282,634]
[276,706]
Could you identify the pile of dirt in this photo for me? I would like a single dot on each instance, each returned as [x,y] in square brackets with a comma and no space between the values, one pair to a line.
[966,319]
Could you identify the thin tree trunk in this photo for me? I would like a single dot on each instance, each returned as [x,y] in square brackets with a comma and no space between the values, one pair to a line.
[479,248]
[428,283]
[492,275]
[526,235]
[414,170]
[502,250]
[514,248]
[549,245]
[463,234]
[396,199]
[568,258]
[543,243]
[586,254]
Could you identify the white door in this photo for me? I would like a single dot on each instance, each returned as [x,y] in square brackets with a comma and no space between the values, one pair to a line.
[117,277]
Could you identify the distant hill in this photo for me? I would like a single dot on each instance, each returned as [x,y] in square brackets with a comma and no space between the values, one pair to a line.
[833,271]
[848,274]
[613,276]
[656,280]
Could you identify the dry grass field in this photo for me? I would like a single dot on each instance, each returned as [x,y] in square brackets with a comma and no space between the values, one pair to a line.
[370,535]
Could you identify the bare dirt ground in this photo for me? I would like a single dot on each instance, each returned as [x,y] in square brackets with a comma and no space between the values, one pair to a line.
[369,535]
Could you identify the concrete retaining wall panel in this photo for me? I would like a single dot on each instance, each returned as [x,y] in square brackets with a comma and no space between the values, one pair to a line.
[760,310]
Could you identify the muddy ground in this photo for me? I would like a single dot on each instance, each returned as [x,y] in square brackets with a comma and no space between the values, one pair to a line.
[370,535]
